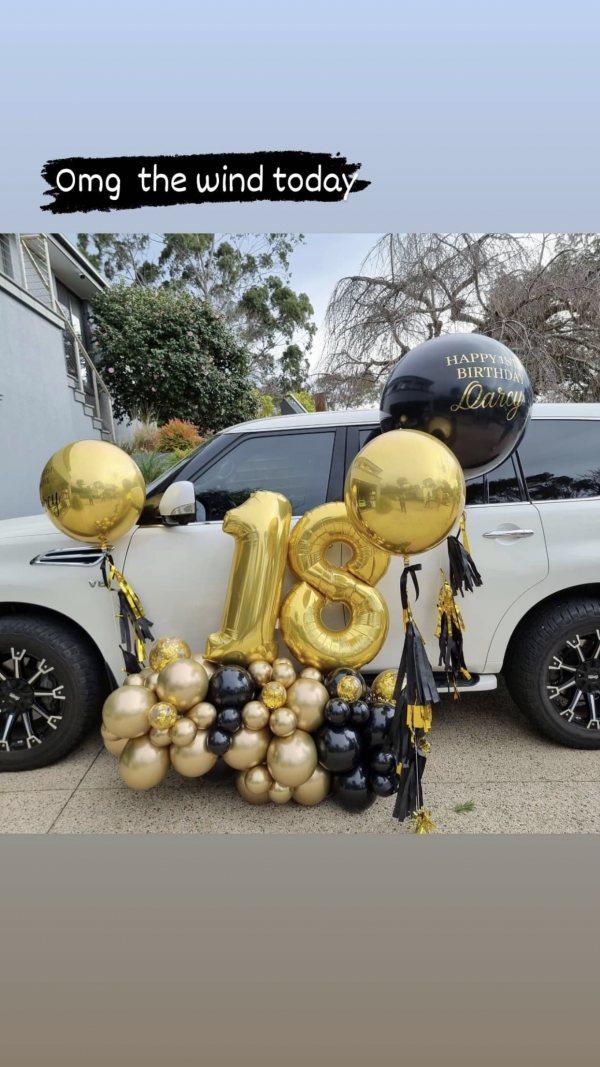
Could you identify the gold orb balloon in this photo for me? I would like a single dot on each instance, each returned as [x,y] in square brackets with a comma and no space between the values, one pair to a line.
[125,711]
[134,679]
[255,715]
[291,760]
[315,790]
[183,732]
[405,492]
[307,698]
[350,688]
[150,680]
[183,682]
[283,671]
[260,672]
[166,649]
[203,715]
[116,747]
[92,491]
[274,695]
[383,686]
[142,764]
[209,667]
[162,715]
[107,735]
[250,798]
[195,759]
[283,722]
[160,738]
[312,672]
[258,780]
[248,748]
[145,673]
[279,794]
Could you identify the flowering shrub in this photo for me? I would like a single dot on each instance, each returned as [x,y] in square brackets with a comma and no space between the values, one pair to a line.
[178,434]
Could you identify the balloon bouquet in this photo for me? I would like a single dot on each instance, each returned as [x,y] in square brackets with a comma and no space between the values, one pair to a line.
[457,405]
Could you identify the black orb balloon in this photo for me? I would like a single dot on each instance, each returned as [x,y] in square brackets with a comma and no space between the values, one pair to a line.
[360,713]
[378,729]
[333,679]
[229,719]
[471,392]
[220,772]
[351,789]
[338,747]
[384,785]
[337,712]
[219,741]
[382,761]
[230,687]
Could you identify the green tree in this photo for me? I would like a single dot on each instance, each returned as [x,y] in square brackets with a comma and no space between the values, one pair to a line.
[166,355]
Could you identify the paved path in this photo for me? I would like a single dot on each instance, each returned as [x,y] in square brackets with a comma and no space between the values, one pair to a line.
[482,751]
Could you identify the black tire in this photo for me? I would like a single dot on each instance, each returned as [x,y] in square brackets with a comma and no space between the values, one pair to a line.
[532,676]
[73,685]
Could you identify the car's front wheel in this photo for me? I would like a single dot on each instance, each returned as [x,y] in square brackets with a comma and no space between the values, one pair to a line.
[52,684]
[552,671]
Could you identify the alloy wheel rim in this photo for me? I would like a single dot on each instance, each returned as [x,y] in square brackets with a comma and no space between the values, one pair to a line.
[573,681]
[32,699]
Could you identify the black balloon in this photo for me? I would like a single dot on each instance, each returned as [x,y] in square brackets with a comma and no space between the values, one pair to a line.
[331,680]
[230,687]
[229,719]
[221,772]
[337,712]
[384,785]
[360,713]
[219,741]
[382,761]
[351,789]
[378,729]
[338,747]
[468,390]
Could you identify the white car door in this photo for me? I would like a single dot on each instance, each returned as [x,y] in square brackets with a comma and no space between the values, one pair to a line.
[181,572]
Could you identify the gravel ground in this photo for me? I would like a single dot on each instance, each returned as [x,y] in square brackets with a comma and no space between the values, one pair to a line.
[483,750]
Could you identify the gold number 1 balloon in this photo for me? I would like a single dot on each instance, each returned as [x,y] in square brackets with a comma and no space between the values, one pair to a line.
[260,527]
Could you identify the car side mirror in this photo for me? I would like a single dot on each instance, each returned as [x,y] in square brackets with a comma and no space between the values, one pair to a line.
[178,504]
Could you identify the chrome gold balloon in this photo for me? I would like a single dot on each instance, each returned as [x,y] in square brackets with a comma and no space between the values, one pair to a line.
[150,680]
[195,759]
[209,667]
[92,491]
[248,748]
[307,698]
[258,780]
[315,790]
[142,764]
[160,738]
[134,679]
[250,798]
[283,722]
[183,732]
[107,735]
[255,715]
[260,672]
[125,711]
[146,672]
[116,746]
[320,582]
[312,672]
[383,687]
[405,492]
[291,760]
[183,682]
[274,695]
[283,671]
[162,715]
[260,528]
[166,649]
[204,715]
[279,794]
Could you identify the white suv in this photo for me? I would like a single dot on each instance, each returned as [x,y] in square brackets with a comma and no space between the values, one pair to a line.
[533,525]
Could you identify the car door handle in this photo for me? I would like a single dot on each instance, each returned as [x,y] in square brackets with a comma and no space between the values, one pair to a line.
[509,533]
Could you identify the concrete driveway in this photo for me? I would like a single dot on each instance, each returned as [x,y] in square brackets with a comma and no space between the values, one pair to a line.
[483,751]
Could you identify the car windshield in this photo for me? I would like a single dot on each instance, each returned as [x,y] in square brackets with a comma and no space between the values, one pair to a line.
[177,466]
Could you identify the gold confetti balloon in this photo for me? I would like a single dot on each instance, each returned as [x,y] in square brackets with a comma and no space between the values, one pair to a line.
[250,798]
[315,790]
[255,715]
[183,732]
[167,649]
[92,491]
[350,688]
[248,748]
[307,698]
[162,715]
[160,738]
[291,760]
[312,672]
[125,711]
[183,682]
[195,759]
[283,722]
[274,695]
[258,780]
[203,715]
[134,679]
[279,794]
[283,671]
[260,672]
[383,687]
[142,764]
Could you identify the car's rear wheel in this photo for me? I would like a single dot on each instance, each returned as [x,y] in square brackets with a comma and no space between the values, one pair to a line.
[552,671]
[52,684]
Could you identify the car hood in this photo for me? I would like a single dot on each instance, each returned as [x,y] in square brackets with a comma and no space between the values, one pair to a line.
[30,526]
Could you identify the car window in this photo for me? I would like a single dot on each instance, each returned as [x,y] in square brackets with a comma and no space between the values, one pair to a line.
[366,435]
[475,492]
[295,464]
[503,484]
[561,458]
